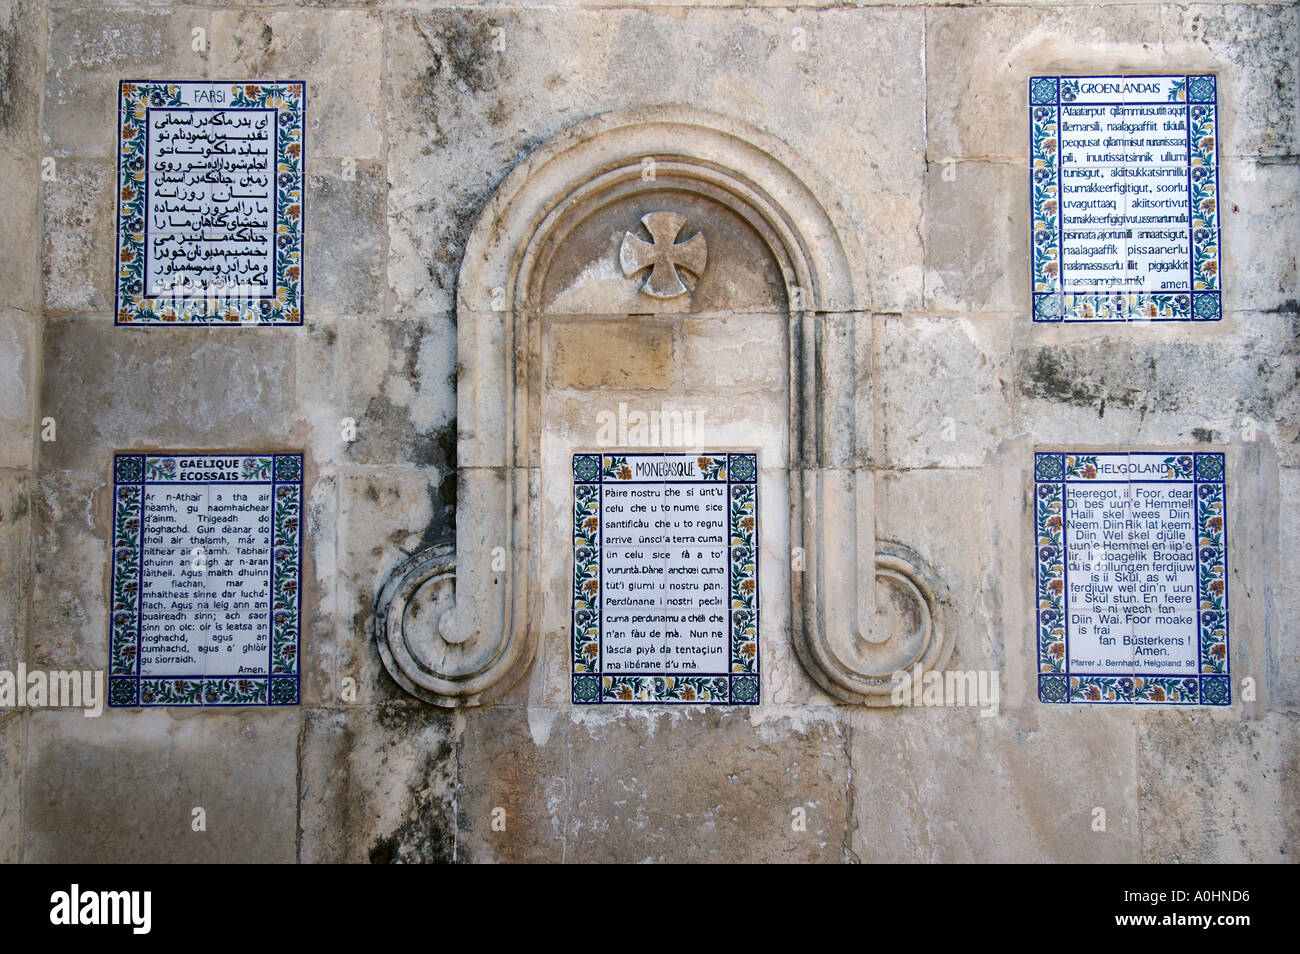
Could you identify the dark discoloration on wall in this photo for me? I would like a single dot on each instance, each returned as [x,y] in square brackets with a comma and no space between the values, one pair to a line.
[427,836]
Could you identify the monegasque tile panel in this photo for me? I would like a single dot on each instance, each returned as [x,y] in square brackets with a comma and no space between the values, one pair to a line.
[722,623]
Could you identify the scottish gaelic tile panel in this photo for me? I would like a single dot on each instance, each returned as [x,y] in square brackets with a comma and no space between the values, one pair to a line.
[207,558]
[665,578]
[210,198]
[1124,198]
[1131,586]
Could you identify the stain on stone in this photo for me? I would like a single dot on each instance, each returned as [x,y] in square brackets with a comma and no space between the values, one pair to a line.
[427,835]
[1203,435]
[17,56]
[446,439]
[1048,378]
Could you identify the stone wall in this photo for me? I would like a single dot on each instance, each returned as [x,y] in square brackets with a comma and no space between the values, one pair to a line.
[22,83]
[915,112]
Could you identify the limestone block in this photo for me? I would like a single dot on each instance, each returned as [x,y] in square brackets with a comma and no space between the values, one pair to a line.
[19,366]
[1151,384]
[379,785]
[337,53]
[112,388]
[592,354]
[73,514]
[977,248]
[20,265]
[690,785]
[1218,789]
[393,378]
[22,50]
[1259,205]
[1284,655]
[345,239]
[12,744]
[122,788]
[462,113]
[943,387]
[80,238]
[1017,788]
[977,88]
[15,565]
[1253,48]
[91,49]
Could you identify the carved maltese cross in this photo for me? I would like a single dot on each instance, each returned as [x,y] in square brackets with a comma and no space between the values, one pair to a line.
[663,258]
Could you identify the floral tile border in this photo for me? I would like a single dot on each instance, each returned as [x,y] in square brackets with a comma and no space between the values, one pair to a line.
[1056,684]
[133,304]
[1201,299]
[132,472]
[742,685]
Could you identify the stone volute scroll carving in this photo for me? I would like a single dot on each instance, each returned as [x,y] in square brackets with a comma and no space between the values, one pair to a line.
[460,623]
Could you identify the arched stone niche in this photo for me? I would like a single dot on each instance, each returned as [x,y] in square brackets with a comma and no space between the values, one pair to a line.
[549,329]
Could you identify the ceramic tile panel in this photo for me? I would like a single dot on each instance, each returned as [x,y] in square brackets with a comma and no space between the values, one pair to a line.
[665,581]
[206,580]
[1131,588]
[1124,198]
[210,203]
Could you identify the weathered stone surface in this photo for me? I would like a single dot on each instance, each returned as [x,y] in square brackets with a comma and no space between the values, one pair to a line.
[1259,199]
[382,515]
[1146,385]
[942,514]
[393,378]
[741,351]
[80,242]
[19,365]
[91,49]
[1218,788]
[454,94]
[15,564]
[923,149]
[977,249]
[338,53]
[22,53]
[20,224]
[169,389]
[1019,787]
[12,748]
[978,90]
[1252,47]
[1284,660]
[379,785]
[943,387]
[588,355]
[345,248]
[72,525]
[123,787]
[638,786]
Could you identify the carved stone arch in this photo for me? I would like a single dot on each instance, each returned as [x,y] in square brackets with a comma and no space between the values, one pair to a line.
[457,626]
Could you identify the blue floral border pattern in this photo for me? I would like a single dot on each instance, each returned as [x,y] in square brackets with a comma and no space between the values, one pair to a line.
[739,472]
[1202,299]
[133,305]
[1056,684]
[280,687]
